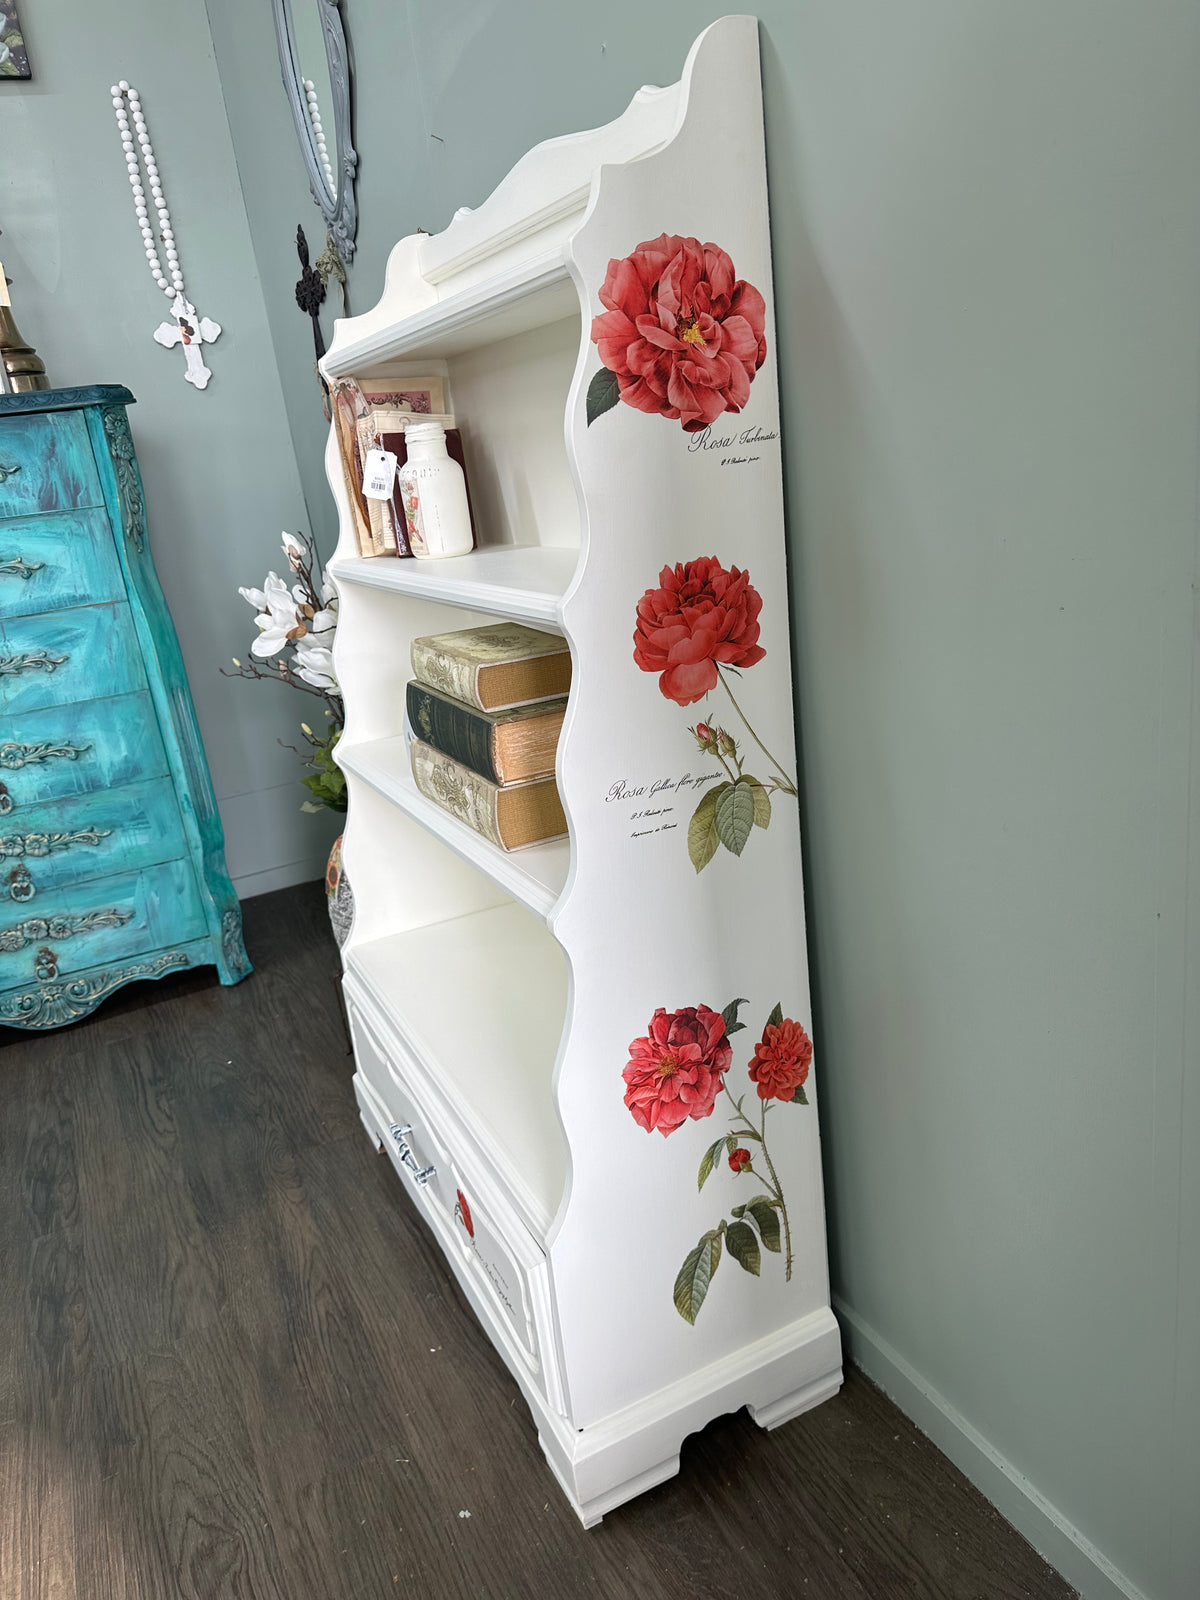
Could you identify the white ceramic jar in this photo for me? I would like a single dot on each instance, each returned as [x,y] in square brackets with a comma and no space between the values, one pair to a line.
[433,492]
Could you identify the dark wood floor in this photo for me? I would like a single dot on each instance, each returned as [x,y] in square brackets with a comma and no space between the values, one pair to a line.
[233,1364]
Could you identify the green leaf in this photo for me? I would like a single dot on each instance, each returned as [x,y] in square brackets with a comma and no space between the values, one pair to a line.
[603,394]
[708,1161]
[799,1098]
[743,1246]
[763,1211]
[730,1015]
[776,1016]
[762,802]
[696,1274]
[734,815]
[702,832]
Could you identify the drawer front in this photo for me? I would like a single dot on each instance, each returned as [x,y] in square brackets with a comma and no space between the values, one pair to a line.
[503,1259]
[63,842]
[99,923]
[53,1005]
[75,750]
[63,656]
[46,464]
[49,563]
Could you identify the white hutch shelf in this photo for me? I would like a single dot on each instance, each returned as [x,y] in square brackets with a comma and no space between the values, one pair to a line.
[520,1020]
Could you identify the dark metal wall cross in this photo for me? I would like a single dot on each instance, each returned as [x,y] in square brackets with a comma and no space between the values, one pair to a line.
[310,292]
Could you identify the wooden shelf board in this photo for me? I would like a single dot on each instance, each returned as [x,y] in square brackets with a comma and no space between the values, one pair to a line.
[481,1000]
[523,581]
[535,293]
[534,876]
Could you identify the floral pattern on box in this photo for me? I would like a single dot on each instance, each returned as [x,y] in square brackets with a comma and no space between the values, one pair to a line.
[674,1074]
[681,335]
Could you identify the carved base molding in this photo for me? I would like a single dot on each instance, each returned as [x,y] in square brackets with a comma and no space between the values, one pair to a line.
[51,1005]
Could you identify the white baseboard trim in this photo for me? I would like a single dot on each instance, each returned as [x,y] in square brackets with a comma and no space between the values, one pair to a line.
[269,879]
[1055,1538]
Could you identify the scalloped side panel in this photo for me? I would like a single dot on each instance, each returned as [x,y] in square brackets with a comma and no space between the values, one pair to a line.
[642,927]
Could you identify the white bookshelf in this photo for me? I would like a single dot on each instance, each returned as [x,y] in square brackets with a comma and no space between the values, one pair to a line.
[523,581]
[534,877]
[491,1060]
[493,997]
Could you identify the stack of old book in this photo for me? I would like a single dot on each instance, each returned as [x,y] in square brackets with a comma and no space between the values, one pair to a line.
[485,707]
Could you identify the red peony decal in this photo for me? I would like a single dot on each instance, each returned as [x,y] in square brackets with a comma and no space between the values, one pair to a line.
[674,1071]
[701,615]
[682,335]
[697,627]
[781,1060]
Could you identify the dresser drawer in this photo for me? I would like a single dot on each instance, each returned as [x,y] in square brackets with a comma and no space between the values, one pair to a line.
[99,923]
[492,1245]
[46,464]
[48,563]
[65,656]
[75,750]
[44,1004]
[62,842]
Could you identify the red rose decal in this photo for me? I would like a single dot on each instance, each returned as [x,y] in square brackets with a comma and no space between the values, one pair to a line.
[781,1060]
[699,617]
[739,1159]
[682,334]
[674,1072]
[464,1212]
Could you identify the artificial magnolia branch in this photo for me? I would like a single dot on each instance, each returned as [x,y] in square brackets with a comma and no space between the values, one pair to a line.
[296,628]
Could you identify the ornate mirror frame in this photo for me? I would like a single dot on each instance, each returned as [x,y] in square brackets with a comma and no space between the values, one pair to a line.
[341,210]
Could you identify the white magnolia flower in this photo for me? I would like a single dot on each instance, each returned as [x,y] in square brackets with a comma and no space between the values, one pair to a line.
[277,617]
[314,663]
[294,550]
[255,597]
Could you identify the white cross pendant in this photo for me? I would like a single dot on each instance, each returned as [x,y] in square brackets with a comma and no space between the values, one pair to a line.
[190,331]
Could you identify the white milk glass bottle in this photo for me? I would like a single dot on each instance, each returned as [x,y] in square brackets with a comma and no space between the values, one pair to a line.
[433,492]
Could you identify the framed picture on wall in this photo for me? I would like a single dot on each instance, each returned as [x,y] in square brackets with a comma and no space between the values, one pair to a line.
[14,61]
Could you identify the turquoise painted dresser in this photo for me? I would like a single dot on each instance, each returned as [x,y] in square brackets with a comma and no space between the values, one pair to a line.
[112,859]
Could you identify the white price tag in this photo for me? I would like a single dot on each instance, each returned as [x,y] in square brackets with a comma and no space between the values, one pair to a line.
[379,474]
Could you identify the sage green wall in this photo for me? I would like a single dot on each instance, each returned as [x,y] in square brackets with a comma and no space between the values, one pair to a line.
[987,256]
[219,466]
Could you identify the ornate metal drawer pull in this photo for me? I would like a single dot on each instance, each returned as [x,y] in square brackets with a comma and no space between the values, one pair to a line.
[44,844]
[400,1132]
[18,567]
[20,883]
[31,661]
[8,472]
[61,926]
[14,755]
[6,800]
[45,964]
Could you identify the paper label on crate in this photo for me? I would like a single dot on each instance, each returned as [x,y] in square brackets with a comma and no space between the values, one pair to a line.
[379,475]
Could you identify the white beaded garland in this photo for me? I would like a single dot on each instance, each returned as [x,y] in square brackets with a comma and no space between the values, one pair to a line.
[127,107]
[314,117]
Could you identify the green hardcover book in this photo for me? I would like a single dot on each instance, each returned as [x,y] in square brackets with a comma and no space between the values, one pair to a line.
[496,667]
[502,746]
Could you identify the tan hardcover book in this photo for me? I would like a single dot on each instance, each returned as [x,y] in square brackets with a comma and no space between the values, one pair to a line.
[496,667]
[512,816]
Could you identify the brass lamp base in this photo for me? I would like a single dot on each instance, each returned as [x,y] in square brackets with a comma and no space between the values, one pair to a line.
[22,364]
